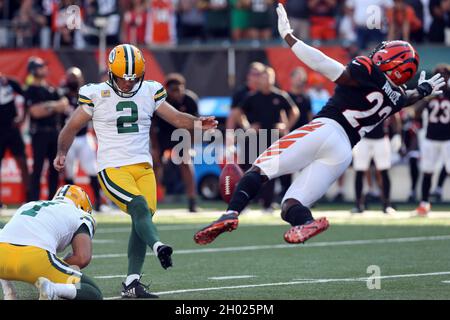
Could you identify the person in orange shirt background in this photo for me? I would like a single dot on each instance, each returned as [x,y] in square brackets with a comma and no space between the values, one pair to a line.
[161,28]
[402,20]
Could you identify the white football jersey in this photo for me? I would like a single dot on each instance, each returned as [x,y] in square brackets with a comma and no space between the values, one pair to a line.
[122,125]
[49,225]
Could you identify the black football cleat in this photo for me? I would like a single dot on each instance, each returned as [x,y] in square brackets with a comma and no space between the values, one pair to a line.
[137,290]
[165,256]
[227,222]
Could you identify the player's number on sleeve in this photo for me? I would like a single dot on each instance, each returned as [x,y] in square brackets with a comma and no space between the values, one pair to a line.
[35,209]
[437,106]
[127,124]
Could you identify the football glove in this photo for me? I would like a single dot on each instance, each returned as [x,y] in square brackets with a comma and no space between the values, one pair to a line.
[284,27]
[431,86]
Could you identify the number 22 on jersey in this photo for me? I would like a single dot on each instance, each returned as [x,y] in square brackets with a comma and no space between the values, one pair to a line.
[354,117]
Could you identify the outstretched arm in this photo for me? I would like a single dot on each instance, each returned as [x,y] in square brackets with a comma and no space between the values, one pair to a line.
[313,58]
[78,120]
[425,88]
[183,120]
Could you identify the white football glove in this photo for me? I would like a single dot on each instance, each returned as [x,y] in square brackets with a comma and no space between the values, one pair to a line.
[431,86]
[284,27]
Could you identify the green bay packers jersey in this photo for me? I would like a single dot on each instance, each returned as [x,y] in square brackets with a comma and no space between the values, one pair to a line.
[49,225]
[122,125]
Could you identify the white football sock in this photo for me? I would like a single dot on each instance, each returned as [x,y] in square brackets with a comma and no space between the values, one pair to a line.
[130,278]
[156,246]
[66,291]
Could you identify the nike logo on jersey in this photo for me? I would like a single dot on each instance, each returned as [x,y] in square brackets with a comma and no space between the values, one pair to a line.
[393,95]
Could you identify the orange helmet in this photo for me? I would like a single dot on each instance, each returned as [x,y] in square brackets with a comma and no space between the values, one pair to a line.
[127,62]
[76,195]
[397,59]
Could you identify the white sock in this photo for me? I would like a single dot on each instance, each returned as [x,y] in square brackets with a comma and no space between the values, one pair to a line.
[66,291]
[130,278]
[156,246]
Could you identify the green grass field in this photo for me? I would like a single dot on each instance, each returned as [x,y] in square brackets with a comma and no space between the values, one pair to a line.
[253,262]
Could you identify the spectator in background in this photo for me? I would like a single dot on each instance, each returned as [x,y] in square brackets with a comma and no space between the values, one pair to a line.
[440,11]
[322,19]
[298,94]
[267,109]
[191,20]
[47,108]
[402,20]
[418,6]
[240,15]
[367,18]
[10,136]
[161,23]
[82,149]
[217,18]
[185,101]
[64,36]
[107,9]
[299,17]
[235,118]
[27,23]
[260,24]
[317,92]
[134,22]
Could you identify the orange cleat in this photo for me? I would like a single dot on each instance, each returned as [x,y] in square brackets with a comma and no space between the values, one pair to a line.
[299,234]
[227,222]
[423,209]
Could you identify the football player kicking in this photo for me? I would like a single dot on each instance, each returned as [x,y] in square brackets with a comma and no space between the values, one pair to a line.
[369,90]
[121,110]
[37,231]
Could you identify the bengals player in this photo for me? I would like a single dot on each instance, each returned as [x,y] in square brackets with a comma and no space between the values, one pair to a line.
[369,90]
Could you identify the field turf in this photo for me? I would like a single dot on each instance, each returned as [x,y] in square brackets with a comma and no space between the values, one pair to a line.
[254,262]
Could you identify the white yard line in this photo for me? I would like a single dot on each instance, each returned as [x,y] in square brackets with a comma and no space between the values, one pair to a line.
[111,277]
[290,246]
[231,277]
[100,241]
[290,283]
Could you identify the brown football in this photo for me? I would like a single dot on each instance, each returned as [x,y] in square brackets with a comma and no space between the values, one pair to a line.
[229,178]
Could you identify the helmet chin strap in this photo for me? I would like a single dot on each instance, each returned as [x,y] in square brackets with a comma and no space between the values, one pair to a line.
[124,94]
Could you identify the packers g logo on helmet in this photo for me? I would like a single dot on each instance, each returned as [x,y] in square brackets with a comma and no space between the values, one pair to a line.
[112,56]
[126,62]
[76,195]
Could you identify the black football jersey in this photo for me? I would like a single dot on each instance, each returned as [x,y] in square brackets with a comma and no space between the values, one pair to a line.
[359,109]
[438,117]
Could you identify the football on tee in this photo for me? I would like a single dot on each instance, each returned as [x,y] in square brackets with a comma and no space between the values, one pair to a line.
[229,178]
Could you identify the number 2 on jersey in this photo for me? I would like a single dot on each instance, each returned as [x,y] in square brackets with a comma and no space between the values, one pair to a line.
[127,124]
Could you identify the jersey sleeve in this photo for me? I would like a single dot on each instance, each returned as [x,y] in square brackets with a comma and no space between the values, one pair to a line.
[160,94]
[85,100]
[90,223]
[16,87]
[361,69]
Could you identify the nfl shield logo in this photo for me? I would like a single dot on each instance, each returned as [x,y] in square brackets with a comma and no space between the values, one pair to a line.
[106,93]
